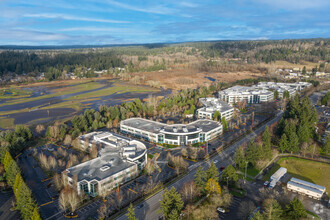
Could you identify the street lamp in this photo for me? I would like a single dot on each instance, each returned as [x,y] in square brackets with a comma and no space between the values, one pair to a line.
[227,181]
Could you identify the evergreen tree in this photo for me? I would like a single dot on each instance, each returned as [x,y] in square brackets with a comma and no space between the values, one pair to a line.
[216,115]
[11,173]
[212,172]
[296,209]
[200,178]
[303,133]
[130,213]
[266,139]
[18,181]
[229,172]
[284,144]
[304,70]
[293,143]
[171,204]
[257,216]
[224,124]
[272,210]
[276,94]
[239,158]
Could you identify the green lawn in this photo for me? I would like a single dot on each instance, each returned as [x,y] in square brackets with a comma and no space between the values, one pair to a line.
[308,170]
[252,171]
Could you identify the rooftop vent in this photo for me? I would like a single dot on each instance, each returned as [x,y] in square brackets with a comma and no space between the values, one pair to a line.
[104,168]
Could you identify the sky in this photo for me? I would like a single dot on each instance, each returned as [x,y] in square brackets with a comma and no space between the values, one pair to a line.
[97,22]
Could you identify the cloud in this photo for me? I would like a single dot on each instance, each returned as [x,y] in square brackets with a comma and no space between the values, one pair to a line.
[295,4]
[158,9]
[75,18]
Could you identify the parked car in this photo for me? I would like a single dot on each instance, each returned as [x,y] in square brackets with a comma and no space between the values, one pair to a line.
[222,168]
[140,206]
[215,161]
[219,209]
[266,183]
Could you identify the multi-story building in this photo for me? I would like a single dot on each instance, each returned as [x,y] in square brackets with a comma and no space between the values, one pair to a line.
[236,94]
[262,92]
[210,105]
[292,88]
[177,134]
[119,160]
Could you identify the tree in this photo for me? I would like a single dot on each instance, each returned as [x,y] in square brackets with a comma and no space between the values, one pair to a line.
[303,133]
[229,172]
[257,216]
[212,172]
[266,139]
[296,209]
[304,70]
[272,210]
[293,143]
[224,124]
[216,115]
[239,158]
[130,213]
[284,144]
[245,209]
[200,178]
[286,94]
[212,187]
[189,191]
[171,204]
[276,94]
[35,214]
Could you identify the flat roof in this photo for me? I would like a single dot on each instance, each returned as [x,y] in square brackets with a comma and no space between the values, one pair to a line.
[305,187]
[303,182]
[91,169]
[213,104]
[156,127]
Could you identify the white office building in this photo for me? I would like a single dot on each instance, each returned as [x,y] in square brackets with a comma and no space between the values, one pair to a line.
[292,88]
[306,188]
[119,160]
[177,134]
[251,95]
[210,105]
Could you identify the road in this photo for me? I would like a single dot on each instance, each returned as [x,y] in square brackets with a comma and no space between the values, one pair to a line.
[150,207]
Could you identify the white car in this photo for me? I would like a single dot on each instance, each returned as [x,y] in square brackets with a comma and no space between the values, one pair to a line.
[215,161]
[219,209]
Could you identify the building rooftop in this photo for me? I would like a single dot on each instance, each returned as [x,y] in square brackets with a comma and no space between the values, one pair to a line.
[155,127]
[214,104]
[117,153]
[244,90]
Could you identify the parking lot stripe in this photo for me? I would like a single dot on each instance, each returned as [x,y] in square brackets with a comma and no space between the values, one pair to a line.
[132,191]
[46,203]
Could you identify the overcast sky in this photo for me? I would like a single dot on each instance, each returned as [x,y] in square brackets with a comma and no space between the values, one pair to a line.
[72,22]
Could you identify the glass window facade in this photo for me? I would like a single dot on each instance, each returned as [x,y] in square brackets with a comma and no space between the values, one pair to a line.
[84,187]
[171,137]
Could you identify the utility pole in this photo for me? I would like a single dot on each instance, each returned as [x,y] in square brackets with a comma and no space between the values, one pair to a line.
[227,181]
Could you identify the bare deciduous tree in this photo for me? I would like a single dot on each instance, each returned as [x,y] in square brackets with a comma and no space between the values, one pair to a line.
[189,191]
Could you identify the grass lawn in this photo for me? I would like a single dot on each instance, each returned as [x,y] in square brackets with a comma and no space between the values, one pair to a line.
[241,176]
[308,170]
[252,171]
[6,122]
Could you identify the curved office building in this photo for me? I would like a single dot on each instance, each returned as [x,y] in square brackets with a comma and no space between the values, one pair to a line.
[177,134]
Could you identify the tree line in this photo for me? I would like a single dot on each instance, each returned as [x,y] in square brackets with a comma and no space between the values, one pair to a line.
[28,62]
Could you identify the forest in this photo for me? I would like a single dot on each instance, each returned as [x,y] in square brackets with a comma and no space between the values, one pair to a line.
[27,62]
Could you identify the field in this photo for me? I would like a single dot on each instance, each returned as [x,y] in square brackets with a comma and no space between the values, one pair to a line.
[312,171]
[43,102]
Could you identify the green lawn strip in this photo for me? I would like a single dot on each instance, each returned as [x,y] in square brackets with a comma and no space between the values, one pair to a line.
[6,122]
[308,170]
[120,89]
[314,216]
[14,93]
[252,171]
[73,89]
[241,176]
[237,193]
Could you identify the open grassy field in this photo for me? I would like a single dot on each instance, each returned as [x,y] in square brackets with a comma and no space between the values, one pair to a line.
[312,171]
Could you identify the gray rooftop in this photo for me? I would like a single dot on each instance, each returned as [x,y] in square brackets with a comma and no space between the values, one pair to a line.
[91,169]
[213,104]
[155,127]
